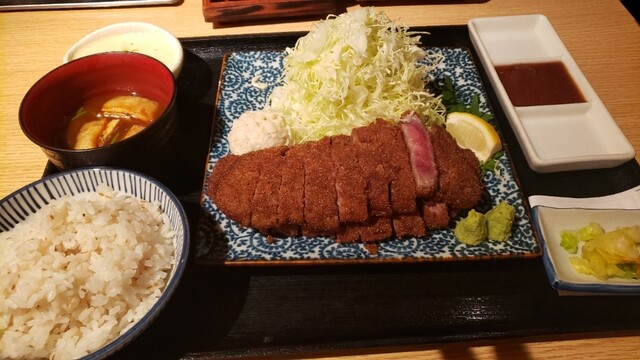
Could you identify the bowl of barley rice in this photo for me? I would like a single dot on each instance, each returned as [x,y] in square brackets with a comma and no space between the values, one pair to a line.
[88,260]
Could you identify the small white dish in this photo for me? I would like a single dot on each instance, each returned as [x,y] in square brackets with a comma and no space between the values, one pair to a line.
[140,37]
[573,136]
[551,215]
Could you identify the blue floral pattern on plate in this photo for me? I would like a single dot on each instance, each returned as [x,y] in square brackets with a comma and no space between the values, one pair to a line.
[246,82]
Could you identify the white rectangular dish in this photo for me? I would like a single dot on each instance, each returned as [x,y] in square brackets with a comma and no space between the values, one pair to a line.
[554,137]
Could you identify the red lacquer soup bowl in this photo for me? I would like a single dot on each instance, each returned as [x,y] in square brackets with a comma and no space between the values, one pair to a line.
[59,97]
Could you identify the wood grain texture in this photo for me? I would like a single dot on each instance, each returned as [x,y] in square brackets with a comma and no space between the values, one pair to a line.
[567,348]
[601,35]
[233,11]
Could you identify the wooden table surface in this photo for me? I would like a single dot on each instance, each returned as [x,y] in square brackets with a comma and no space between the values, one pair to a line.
[601,35]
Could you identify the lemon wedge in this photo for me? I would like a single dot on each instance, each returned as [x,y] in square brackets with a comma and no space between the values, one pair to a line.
[473,133]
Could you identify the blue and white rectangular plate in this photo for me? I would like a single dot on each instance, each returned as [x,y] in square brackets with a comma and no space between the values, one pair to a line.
[246,81]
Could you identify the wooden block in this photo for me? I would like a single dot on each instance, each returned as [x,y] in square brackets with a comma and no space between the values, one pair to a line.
[230,11]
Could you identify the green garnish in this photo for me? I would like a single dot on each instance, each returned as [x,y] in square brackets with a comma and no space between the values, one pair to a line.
[451,103]
[491,164]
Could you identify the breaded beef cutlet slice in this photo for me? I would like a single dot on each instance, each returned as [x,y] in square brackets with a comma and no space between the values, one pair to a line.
[378,229]
[390,150]
[396,157]
[370,152]
[320,196]
[459,184]
[409,225]
[435,215]
[420,148]
[351,186]
[291,192]
[231,186]
[264,215]
[374,230]
[348,233]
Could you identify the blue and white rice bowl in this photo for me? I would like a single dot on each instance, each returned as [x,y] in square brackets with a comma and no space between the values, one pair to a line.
[42,195]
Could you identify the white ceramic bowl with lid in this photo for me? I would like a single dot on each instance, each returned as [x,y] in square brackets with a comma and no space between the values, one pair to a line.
[139,37]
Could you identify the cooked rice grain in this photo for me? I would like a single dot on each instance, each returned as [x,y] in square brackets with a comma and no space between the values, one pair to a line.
[79,272]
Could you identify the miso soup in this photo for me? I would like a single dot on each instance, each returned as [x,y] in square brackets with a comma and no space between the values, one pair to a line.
[108,118]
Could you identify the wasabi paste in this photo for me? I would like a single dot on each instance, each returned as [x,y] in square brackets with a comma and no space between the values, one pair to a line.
[472,230]
[499,221]
[496,225]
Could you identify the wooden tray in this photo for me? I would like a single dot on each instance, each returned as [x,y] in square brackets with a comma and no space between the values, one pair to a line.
[223,311]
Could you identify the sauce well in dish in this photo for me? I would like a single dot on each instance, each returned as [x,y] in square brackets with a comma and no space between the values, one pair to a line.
[545,83]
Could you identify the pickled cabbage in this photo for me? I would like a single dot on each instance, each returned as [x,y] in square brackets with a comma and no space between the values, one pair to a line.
[569,239]
[604,254]
[350,70]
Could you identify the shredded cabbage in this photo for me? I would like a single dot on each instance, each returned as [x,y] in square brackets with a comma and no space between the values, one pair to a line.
[350,70]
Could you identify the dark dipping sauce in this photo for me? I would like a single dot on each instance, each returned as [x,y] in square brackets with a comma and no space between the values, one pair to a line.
[545,83]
